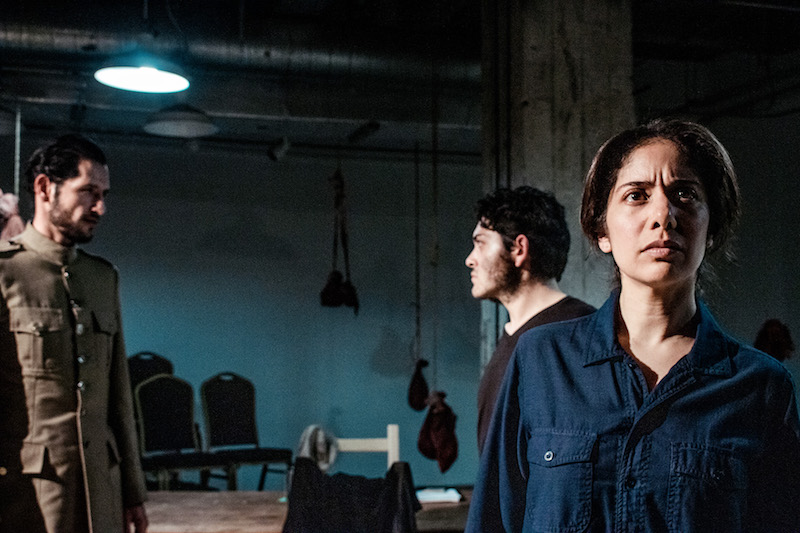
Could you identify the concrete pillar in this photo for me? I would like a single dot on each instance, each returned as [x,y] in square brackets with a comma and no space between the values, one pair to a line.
[556,84]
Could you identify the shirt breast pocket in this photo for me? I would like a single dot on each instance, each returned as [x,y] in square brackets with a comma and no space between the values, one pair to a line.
[560,473]
[105,327]
[707,489]
[42,336]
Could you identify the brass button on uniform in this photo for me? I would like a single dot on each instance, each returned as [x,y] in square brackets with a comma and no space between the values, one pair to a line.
[3,471]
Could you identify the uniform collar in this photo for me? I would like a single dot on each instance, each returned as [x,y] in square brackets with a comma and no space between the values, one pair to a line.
[47,248]
[711,353]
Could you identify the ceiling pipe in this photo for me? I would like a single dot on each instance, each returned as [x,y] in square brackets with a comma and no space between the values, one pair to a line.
[290,52]
[761,5]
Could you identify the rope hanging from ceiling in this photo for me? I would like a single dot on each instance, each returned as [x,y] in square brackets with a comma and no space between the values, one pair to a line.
[339,290]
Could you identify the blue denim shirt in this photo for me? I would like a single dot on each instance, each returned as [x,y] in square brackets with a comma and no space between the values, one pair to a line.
[578,443]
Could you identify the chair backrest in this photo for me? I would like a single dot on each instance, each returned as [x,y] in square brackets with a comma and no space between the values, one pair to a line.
[166,415]
[389,444]
[144,365]
[229,410]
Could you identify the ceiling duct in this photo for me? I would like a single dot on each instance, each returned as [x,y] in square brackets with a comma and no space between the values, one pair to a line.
[285,54]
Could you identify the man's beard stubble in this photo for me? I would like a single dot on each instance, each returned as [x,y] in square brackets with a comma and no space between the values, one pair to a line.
[66,226]
[506,276]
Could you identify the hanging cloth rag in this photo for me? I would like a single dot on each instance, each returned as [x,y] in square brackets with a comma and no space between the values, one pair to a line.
[339,290]
[437,438]
[418,389]
[318,445]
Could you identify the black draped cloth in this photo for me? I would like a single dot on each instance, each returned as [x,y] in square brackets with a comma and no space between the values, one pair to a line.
[343,503]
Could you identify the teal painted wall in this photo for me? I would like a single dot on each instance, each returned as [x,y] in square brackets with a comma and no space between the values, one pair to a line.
[222,258]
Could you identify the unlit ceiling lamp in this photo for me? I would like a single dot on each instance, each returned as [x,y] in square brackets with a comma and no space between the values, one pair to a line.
[144,75]
[279,149]
[180,121]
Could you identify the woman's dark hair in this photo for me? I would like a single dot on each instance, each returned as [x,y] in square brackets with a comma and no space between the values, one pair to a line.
[59,160]
[701,152]
[535,214]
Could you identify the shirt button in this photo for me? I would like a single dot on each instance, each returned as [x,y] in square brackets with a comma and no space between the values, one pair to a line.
[630,482]
[66,275]
[549,455]
[81,359]
[631,365]
[74,304]
[81,386]
[79,329]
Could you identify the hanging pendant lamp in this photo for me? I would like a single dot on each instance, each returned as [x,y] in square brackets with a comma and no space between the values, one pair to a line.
[180,121]
[142,73]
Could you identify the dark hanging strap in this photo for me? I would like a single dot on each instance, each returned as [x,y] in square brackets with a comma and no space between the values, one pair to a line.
[337,291]
[335,239]
[345,251]
[340,222]
[338,212]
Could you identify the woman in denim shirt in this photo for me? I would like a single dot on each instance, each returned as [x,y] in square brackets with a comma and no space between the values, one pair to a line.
[645,416]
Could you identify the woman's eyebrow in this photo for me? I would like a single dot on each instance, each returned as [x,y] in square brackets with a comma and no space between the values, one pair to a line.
[634,183]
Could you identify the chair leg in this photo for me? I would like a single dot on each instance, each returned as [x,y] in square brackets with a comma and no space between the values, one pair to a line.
[205,477]
[262,477]
[230,470]
[163,477]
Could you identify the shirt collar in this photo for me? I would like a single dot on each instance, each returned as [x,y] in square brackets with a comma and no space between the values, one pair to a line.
[711,353]
[47,248]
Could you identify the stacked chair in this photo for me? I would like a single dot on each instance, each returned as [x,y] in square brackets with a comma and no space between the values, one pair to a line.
[229,410]
[169,437]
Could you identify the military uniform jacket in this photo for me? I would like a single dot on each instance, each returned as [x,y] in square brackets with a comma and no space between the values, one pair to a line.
[66,414]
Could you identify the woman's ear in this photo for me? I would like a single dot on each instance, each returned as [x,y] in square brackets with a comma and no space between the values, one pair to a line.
[520,250]
[604,244]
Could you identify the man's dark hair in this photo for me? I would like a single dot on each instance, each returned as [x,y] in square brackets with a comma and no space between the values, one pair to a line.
[59,160]
[535,214]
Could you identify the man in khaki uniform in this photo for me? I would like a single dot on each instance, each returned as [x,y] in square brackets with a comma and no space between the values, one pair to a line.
[68,456]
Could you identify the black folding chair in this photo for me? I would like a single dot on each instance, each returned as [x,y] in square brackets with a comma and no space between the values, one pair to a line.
[169,439]
[229,409]
[143,365]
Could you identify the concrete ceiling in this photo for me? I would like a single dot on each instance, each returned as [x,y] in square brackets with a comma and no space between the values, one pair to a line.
[318,72]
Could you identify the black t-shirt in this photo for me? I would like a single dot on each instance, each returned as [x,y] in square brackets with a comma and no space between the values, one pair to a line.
[489,387]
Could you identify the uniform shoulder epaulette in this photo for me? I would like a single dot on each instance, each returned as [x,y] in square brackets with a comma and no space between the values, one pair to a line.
[10,246]
[97,258]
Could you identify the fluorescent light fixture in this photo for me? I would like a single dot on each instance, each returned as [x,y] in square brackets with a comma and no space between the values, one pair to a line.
[143,75]
[181,121]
